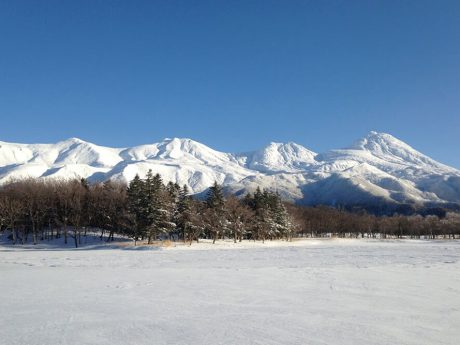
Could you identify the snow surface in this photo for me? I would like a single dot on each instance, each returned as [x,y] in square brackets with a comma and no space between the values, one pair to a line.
[306,292]
[375,168]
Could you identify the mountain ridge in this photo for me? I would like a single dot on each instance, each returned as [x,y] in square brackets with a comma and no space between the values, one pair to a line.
[374,169]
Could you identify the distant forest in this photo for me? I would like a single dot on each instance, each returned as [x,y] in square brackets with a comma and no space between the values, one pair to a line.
[148,210]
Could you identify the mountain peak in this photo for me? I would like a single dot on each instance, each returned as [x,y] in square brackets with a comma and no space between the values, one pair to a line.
[379,141]
[385,145]
[281,157]
[391,149]
[174,148]
[178,140]
[74,140]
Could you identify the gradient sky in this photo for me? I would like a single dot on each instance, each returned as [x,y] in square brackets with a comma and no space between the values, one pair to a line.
[234,75]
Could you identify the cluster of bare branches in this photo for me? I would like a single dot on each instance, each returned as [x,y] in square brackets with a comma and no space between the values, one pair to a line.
[325,221]
[45,210]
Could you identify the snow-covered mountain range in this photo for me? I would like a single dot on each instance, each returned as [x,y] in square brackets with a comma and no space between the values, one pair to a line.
[376,169]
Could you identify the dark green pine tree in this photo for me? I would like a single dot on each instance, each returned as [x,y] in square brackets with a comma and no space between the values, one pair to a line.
[152,197]
[248,200]
[173,190]
[159,207]
[137,207]
[215,201]
[283,223]
[173,197]
[263,205]
[215,198]
[258,200]
[184,215]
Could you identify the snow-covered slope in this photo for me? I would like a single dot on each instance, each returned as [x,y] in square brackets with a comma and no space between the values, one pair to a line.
[279,157]
[376,169]
[389,154]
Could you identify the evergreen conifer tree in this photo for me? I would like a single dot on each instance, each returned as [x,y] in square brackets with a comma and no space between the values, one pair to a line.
[215,213]
[159,207]
[282,219]
[184,216]
[137,207]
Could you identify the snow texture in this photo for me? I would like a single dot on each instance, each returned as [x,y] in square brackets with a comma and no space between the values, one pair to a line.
[344,292]
[376,168]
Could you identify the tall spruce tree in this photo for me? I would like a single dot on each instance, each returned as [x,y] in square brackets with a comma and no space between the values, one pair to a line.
[282,219]
[137,208]
[184,209]
[159,207]
[215,198]
[215,214]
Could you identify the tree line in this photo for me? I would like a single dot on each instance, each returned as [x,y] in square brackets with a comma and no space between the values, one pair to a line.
[147,209]
[323,221]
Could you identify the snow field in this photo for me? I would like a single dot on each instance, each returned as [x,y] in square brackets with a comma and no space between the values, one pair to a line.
[305,292]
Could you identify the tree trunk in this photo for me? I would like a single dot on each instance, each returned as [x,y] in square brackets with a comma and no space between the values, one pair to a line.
[34,233]
[65,233]
[23,235]
[76,238]
[13,230]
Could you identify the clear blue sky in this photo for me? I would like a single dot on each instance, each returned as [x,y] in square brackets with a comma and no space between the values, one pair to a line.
[234,75]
